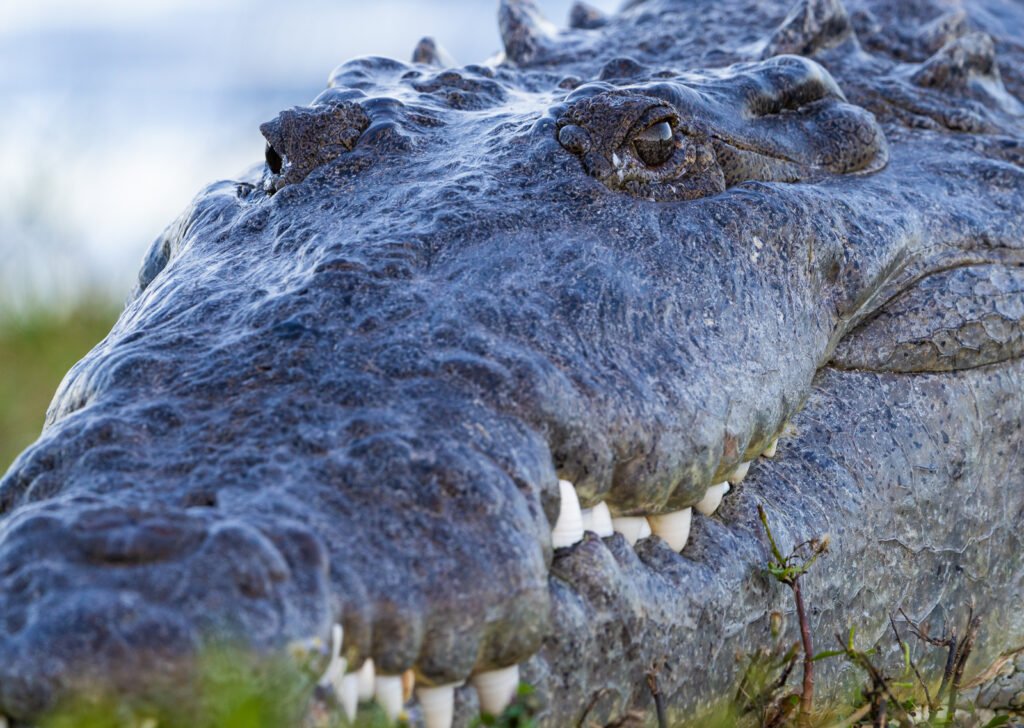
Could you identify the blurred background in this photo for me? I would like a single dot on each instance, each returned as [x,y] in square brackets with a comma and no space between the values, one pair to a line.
[116,112]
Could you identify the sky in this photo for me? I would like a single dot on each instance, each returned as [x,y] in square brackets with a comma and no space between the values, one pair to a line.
[117,112]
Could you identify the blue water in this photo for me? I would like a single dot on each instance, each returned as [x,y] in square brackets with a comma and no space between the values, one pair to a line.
[116,112]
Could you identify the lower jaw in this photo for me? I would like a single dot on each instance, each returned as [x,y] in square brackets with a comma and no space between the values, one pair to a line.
[915,478]
[912,476]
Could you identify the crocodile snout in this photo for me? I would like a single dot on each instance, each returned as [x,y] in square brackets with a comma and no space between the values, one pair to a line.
[120,598]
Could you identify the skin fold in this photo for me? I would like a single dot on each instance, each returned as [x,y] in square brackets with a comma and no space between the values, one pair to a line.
[347,384]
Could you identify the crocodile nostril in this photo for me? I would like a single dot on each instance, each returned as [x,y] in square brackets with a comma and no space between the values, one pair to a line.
[201,499]
[573,139]
[114,536]
[274,160]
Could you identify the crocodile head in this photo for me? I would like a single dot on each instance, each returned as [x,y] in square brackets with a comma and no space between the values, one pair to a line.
[373,383]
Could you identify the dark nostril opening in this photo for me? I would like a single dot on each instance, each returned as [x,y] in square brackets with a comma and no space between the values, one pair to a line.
[201,499]
[573,138]
[274,160]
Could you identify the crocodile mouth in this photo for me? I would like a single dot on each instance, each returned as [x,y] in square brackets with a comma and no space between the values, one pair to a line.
[145,588]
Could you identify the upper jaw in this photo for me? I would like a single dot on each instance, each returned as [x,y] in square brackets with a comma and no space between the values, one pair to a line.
[426,496]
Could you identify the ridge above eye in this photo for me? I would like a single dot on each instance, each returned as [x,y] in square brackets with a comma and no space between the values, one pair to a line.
[655,144]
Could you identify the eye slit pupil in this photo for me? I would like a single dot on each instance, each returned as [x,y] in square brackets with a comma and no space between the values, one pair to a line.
[655,144]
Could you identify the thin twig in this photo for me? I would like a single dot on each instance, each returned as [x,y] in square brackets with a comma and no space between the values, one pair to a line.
[963,652]
[878,680]
[993,669]
[784,677]
[947,673]
[854,717]
[590,706]
[659,699]
[906,651]
[922,633]
[807,693]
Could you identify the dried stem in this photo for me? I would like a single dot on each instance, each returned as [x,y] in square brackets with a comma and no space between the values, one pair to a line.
[659,699]
[906,650]
[855,717]
[807,692]
[963,651]
[947,673]
[881,685]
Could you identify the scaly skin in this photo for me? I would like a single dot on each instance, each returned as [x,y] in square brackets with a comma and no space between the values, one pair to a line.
[346,386]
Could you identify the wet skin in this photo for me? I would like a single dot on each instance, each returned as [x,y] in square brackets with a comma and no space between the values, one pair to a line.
[628,256]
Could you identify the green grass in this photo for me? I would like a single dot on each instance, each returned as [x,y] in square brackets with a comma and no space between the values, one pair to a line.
[232,688]
[36,350]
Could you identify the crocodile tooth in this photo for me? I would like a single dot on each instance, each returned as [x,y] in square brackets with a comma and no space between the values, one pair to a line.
[438,705]
[633,528]
[366,675]
[569,526]
[599,520]
[336,667]
[740,473]
[389,693]
[673,527]
[496,688]
[616,161]
[769,452]
[348,695]
[712,498]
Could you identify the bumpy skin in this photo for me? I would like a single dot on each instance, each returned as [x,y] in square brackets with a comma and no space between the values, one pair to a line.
[347,385]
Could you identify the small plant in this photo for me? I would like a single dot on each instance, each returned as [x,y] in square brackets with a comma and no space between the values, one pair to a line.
[763,699]
[788,570]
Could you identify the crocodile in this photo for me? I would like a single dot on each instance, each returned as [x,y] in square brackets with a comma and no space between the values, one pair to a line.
[483,372]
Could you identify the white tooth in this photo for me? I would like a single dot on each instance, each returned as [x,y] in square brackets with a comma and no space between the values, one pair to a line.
[673,527]
[496,689]
[615,160]
[388,692]
[740,473]
[633,528]
[438,705]
[769,452]
[569,527]
[408,684]
[366,675]
[712,499]
[599,520]
[336,667]
[348,695]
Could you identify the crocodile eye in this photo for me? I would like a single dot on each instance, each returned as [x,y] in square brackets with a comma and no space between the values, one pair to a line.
[655,144]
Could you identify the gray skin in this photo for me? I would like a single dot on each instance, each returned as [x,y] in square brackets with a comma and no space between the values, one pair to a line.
[347,385]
